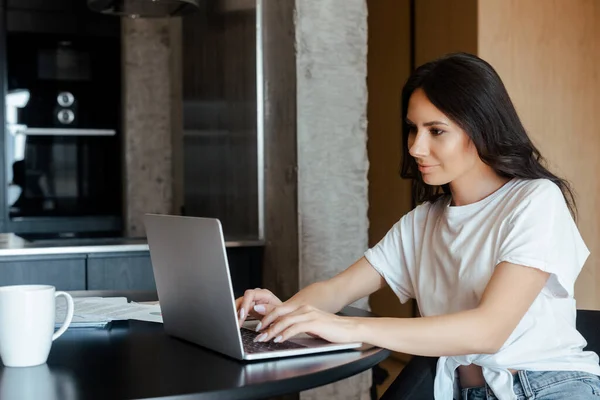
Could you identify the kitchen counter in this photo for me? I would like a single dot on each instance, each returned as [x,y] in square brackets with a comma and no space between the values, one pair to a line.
[13,245]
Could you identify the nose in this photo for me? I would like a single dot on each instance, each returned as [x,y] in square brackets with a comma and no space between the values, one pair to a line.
[418,145]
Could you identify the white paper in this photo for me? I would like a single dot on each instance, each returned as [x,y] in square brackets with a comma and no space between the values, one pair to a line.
[97,311]
[82,317]
[141,312]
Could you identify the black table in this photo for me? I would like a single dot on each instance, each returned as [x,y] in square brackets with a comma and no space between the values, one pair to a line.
[136,359]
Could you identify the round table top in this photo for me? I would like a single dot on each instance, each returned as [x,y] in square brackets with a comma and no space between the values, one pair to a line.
[136,359]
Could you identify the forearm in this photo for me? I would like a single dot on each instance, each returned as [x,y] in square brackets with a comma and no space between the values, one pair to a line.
[466,332]
[354,283]
[320,295]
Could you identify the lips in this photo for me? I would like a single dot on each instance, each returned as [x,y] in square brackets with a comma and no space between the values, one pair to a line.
[426,168]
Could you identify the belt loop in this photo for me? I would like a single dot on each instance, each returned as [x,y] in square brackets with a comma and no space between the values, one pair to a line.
[464,394]
[525,384]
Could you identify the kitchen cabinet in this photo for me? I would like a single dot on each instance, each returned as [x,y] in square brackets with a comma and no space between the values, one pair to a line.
[133,270]
[120,271]
[116,270]
[220,143]
[65,272]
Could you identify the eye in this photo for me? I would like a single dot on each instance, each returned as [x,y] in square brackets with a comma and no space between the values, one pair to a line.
[436,132]
[412,128]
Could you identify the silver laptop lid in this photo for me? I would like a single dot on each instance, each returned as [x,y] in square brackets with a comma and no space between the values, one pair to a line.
[193,281]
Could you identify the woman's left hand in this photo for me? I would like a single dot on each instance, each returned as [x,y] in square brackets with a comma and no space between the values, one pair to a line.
[312,321]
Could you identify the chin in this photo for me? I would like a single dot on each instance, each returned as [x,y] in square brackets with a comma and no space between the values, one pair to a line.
[433,180]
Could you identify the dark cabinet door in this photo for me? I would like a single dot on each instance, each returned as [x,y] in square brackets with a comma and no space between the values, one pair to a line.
[116,271]
[65,273]
[120,271]
[133,270]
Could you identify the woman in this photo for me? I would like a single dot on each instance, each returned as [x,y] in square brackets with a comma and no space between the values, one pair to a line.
[491,254]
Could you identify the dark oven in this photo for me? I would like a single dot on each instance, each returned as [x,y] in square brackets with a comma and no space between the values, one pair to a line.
[63,132]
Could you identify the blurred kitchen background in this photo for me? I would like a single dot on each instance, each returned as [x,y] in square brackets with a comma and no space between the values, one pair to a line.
[109,118]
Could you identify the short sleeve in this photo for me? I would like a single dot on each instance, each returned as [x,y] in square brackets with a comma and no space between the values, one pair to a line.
[389,257]
[542,234]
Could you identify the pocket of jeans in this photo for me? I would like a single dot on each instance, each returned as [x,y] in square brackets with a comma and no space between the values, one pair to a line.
[573,387]
[594,384]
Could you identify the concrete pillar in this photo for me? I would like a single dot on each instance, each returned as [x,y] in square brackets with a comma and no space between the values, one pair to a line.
[331,63]
[148,184]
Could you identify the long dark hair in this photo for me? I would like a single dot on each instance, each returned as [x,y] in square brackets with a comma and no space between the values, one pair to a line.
[469,91]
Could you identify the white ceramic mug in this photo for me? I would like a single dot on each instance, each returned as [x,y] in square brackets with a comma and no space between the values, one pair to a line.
[36,383]
[27,318]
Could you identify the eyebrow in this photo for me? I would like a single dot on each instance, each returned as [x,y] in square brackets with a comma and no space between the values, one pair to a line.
[430,123]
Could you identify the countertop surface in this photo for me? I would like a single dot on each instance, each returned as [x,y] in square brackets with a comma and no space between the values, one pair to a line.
[13,245]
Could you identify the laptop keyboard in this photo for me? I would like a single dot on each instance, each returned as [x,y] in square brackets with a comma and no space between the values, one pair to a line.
[260,347]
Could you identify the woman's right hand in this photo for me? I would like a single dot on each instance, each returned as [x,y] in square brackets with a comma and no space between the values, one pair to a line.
[256,303]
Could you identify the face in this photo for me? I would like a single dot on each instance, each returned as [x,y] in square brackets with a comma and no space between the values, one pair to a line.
[442,150]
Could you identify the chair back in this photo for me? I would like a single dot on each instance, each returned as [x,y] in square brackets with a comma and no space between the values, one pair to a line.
[588,324]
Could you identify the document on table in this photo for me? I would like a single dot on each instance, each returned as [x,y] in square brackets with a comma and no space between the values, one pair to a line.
[99,311]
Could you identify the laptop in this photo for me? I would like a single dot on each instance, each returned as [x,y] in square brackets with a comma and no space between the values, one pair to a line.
[196,294]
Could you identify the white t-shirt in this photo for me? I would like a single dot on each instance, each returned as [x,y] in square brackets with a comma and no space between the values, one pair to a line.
[443,256]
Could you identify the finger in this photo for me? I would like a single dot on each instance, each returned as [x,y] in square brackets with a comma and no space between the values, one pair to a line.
[296,329]
[238,305]
[260,310]
[247,302]
[266,296]
[252,297]
[276,313]
[284,323]
[281,311]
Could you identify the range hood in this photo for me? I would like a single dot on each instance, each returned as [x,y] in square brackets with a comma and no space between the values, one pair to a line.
[144,8]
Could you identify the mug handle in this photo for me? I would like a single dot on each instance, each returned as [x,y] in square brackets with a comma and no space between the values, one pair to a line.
[68,318]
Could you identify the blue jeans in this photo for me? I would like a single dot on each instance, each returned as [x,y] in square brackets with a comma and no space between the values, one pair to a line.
[545,385]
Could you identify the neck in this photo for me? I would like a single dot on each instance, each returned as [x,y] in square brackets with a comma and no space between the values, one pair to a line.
[475,186]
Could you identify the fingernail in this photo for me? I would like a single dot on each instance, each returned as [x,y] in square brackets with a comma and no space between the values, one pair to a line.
[260,338]
[242,313]
[278,339]
[258,326]
[260,308]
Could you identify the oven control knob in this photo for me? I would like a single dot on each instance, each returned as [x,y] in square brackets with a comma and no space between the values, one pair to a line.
[65,99]
[66,116]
